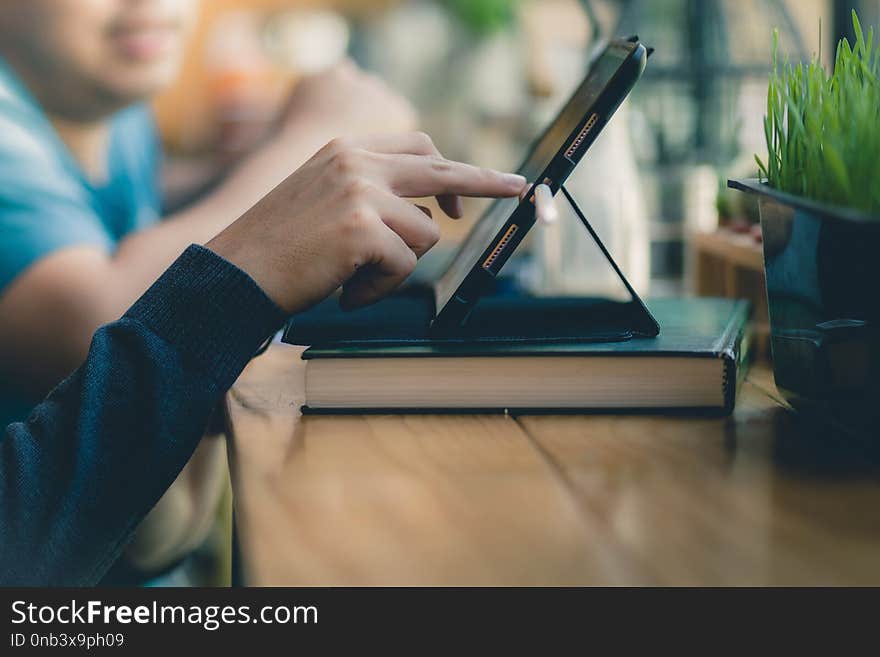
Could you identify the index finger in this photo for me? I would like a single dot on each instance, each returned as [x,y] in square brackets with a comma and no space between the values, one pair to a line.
[412,143]
[416,176]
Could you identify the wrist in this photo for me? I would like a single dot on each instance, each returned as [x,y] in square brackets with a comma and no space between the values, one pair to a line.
[255,262]
[213,312]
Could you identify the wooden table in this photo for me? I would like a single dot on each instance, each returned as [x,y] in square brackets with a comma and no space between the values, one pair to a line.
[542,500]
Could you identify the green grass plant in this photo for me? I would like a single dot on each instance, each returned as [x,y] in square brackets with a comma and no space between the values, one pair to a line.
[823,130]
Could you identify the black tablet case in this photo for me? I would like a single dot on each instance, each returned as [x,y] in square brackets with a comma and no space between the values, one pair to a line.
[406,317]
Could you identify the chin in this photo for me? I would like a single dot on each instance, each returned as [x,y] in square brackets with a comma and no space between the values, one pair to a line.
[134,84]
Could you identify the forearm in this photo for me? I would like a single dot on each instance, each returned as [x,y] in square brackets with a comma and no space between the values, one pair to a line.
[143,255]
[95,457]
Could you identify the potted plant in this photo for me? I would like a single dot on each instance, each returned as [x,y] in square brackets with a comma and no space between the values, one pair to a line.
[819,200]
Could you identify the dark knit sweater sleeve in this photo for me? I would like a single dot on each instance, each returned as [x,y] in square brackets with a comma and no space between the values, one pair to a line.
[99,452]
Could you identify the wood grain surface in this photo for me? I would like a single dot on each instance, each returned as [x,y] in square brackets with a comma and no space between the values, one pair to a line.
[543,500]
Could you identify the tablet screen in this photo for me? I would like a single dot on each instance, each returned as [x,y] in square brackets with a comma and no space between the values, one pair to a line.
[541,155]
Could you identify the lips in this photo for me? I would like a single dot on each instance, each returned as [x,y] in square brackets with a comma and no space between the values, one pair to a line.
[145,40]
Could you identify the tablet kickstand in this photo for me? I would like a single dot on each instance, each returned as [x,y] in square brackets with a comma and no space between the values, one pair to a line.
[649,325]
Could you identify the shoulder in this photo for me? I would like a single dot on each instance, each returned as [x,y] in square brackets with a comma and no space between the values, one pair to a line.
[43,204]
[32,167]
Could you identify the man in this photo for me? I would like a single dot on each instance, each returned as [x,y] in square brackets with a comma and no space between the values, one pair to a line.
[80,238]
[96,455]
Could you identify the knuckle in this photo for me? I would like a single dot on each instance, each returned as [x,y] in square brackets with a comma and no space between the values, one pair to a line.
[425,140]
[353,242]
[410,262]
[347,161]
[430,236]
[440,165]
[358,222]
[435,233]
[356,188]
[337,145]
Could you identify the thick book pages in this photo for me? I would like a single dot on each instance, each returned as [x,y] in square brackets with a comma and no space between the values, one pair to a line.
[515,384]
[694,364]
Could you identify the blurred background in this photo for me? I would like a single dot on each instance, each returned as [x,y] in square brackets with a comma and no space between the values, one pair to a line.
[487,75]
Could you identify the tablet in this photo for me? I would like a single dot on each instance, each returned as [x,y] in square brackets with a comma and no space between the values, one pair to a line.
[552,158]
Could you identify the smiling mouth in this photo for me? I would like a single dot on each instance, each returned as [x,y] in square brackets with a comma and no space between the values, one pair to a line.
[146,40]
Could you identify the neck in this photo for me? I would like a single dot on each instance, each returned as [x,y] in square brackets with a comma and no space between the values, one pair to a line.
[85,131]
[88,142]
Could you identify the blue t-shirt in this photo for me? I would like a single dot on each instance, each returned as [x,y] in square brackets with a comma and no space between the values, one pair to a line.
[47,203]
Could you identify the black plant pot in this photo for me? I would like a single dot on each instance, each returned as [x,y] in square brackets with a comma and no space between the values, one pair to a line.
[822,265]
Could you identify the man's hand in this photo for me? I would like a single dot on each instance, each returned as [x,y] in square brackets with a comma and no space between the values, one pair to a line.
[345,101]
[341,219]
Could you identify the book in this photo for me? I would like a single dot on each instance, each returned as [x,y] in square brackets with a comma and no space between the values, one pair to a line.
[694,365]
